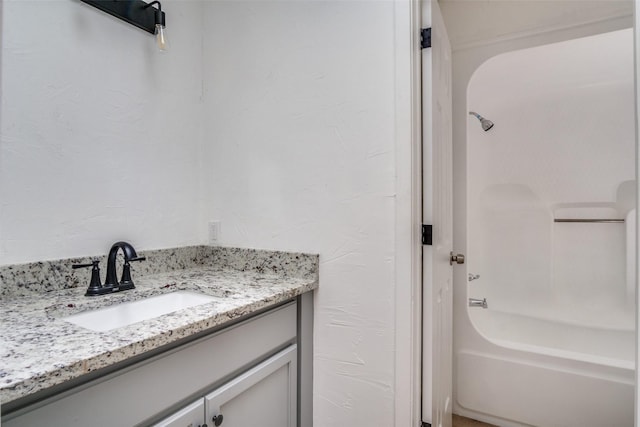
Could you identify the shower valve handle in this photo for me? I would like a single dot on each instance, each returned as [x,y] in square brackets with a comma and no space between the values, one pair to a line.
[457,258]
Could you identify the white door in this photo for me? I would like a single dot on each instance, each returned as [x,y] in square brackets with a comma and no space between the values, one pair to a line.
[437,210]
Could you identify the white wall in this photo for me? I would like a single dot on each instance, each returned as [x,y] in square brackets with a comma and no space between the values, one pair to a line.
[100,131]
[299,146]
[287,137]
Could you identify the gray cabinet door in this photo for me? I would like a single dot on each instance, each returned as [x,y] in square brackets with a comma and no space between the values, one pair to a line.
[265,395]
[191,416]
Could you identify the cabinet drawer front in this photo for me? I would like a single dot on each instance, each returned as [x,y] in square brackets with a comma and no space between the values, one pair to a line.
[151,387]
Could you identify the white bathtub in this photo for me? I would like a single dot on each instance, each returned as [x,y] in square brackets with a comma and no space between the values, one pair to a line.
[518,371]
[608,347]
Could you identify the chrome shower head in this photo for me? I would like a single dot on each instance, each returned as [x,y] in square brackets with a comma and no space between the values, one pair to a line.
[486,124]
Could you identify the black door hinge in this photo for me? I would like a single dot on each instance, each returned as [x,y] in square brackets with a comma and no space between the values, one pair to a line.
[426,424]
[427,234]
[425,38]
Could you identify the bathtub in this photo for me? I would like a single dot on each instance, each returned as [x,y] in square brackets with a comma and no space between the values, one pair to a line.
[556,347]
[514,370]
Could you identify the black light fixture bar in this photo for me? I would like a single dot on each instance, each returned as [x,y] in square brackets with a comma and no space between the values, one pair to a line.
[135,12]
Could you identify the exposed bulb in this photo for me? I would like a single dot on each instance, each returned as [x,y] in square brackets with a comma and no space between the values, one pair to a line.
[162,42]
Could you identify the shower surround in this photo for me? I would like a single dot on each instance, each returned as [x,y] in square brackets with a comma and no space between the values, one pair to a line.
[550,223]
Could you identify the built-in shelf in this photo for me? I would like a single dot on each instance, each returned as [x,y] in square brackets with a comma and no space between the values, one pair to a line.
[607,221]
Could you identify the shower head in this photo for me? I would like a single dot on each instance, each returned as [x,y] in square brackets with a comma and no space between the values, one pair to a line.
[486,124]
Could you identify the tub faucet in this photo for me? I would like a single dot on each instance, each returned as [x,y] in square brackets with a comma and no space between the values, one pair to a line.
[130,255]
[474,302]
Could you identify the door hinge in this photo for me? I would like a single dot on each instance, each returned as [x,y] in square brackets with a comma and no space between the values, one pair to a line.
[427,234]
[425,38]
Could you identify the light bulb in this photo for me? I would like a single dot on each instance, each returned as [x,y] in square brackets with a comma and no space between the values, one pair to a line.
[162,42]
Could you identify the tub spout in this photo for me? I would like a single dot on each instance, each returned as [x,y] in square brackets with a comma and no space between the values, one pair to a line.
[474,302]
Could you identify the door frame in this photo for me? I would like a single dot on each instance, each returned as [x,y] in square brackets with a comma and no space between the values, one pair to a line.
[636,53]
[408,245]
[408,221]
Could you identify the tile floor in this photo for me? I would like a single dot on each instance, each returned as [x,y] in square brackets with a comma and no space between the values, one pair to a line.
[459,421]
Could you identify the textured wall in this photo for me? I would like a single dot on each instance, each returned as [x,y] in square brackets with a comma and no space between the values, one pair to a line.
[300,142]
[100,131]
[292,147]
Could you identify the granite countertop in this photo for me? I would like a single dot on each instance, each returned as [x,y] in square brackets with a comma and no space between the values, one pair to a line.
[40,350]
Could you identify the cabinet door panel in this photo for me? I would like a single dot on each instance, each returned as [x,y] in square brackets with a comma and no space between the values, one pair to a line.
[191,416]
[263,396]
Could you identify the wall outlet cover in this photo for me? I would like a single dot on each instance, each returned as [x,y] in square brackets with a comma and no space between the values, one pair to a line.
[214,232]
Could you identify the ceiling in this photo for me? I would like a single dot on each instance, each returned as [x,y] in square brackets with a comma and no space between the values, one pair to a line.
[473,22]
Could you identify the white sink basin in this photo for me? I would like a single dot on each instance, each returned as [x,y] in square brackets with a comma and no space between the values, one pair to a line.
[128,313]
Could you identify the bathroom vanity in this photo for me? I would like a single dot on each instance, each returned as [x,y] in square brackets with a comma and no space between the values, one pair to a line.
[244,358]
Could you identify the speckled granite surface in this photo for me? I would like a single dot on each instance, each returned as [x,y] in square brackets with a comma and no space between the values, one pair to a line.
[45,276]
[38,349]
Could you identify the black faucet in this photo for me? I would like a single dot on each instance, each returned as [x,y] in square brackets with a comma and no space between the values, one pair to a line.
[111,282]
[130,255]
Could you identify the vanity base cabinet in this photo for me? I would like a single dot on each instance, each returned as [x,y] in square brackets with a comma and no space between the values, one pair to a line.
[149,390]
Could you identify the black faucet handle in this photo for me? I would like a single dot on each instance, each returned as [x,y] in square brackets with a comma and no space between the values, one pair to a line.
[95,286]
[93,264]
[125,280]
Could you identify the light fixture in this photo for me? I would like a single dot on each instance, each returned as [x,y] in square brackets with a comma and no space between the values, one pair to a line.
[160,24]
[138,13]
